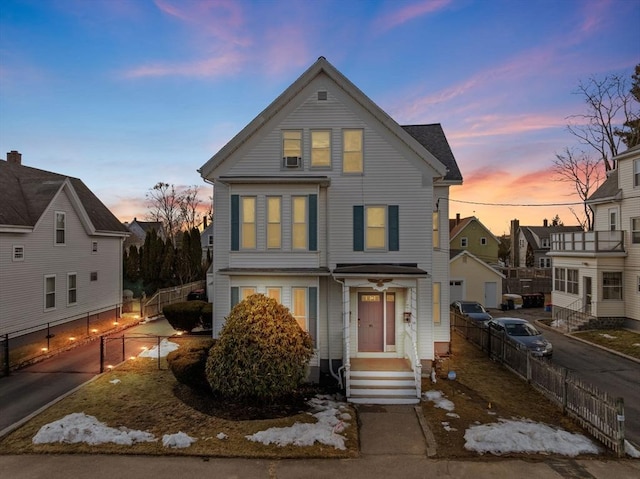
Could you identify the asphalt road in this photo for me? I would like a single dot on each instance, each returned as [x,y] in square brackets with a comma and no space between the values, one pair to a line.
[29,389]
[618,376]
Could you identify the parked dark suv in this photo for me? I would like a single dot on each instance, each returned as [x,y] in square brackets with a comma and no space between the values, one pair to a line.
[471,309]
[197,294]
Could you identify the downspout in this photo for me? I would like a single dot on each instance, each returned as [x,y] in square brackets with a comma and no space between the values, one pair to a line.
[337,376]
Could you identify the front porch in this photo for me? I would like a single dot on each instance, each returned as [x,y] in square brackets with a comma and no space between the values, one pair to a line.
[381,381]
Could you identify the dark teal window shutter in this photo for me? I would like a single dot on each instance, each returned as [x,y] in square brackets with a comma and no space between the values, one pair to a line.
[235,222]
[394,228]
[235,296]
[313,222]
[313,314]
[358,228]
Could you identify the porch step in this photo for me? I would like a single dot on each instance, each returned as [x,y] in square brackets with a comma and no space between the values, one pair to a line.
[382,387]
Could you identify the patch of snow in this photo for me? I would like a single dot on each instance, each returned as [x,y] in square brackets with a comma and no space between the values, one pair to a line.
[114,381]
[526,436]
[630,450]
[447,427]
[178,440]
[559,324]
[222,436]
[79,427]
[453,414]
[166,347]
[439,400]
[608,336]
[330,423]
[636,344]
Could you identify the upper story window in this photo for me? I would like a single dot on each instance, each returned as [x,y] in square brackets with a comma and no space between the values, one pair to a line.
[299,226]
[613,219]
[94,247]
[93,276]
[60,228]
[321,148]
[210,240]
[292,148]
[376,228]
[464,242]
[248,221]
[635,230]
[49,292]
[483,241]
[18,253]
[436,229]
[274,222]
[636,173]
[544,242]
[352,154]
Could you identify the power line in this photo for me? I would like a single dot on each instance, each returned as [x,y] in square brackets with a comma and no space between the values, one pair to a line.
[516,204]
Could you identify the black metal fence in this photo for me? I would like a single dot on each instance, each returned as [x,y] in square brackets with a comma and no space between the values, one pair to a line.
[598,412]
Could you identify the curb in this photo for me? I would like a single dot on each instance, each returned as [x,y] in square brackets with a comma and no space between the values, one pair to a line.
[426,432]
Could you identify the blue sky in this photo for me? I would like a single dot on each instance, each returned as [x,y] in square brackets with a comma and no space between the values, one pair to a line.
[126,93]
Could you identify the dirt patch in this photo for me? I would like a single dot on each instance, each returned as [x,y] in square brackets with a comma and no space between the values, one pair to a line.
[483,392]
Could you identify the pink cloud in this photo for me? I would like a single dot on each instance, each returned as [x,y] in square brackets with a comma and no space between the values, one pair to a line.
[224,65]
[409,12]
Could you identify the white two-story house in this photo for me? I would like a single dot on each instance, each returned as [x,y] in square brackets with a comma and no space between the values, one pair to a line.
[60,251]
[596,274]
[328,205]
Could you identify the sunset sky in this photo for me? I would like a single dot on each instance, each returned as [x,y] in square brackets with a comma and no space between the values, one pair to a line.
[126,93]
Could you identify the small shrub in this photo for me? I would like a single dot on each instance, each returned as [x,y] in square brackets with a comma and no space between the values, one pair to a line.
[261,354]
[184,316]
[188,362]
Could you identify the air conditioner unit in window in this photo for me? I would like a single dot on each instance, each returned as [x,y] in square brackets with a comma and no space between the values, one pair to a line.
[292,162]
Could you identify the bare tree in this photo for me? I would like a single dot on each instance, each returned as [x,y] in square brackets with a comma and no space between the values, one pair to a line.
[190,207]
[610,105]
[164,207]
[584,172]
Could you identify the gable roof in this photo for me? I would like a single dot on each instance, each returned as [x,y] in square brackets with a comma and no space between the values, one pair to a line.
[453,257]
[26,193]
[608,190]
[432,137]
[532,232]
[458,226]
[322,66]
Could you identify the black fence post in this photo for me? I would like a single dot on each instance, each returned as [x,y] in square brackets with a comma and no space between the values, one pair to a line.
[101,354]
[620,418]
[123,347]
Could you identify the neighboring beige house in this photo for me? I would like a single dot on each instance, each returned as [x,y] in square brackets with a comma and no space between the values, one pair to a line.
[596,274]
[472,279]
[469,234]
[530,244]
[326,204]
[60,250]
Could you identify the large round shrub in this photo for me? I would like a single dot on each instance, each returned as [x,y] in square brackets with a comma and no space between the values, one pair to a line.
[261,353]
[188,362]
[184,316]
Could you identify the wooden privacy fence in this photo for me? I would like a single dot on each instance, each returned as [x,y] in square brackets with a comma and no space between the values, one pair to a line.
[598,412]
[161,298]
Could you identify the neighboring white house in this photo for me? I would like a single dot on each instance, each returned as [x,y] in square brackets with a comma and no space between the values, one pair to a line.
[139,230]
[596,274]
[530,244]
[328,205]
[60,250]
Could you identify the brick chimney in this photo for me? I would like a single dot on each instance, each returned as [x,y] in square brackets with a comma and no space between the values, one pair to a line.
[545,223]
[14,157]
[457,219]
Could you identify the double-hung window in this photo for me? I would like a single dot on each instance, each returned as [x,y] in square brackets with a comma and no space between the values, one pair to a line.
[274,222]
[572,281]
[352,151]
[299,225]
[299,306]
[321,148]
[636,173]
[248,220]
[376,228]
[72,289]
[18,253]
[49,292]
[60,228]
[435,218]
[635,230]
[612,285]
[291,147]
[559,279]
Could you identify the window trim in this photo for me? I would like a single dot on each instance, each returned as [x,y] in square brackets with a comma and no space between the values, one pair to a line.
[437,303]
[243,233]
[48,293]
[635,229]
[360,170]
[484,241]
[327,149]
[70,289]
[464,242]
[619,288]
[56,229]
[636,173]
[299,225]
[385,228]
[304,291]
[277,225]
[559,280]
[94,247]
[573,285]
[17,253]
[93,276]
[435,221]
[299,149]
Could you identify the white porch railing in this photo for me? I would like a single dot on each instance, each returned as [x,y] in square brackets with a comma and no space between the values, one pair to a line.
[589,242]
[411,341]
